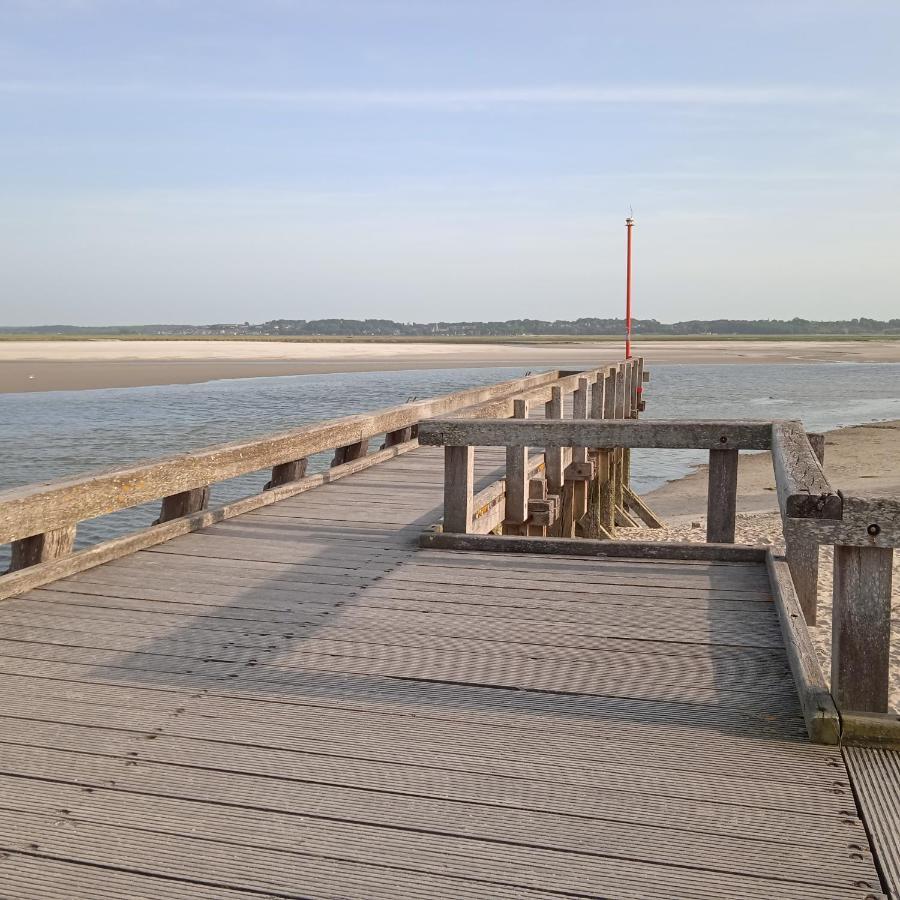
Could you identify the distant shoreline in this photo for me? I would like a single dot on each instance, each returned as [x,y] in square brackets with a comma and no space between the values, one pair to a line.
[51,365]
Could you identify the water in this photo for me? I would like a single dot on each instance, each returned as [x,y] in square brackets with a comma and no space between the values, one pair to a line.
[50,435]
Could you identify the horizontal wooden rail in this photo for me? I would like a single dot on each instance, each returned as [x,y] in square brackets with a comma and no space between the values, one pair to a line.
[658,434]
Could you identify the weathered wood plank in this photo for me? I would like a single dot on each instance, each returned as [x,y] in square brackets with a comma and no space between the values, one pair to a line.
[643,549]
[459,475]
[286,473]
[41,548]
[647,433]
[803,490]
[802,552]
[553,452]
[865,522]
[721,499]
[822,722]
[861,628]
[637,504]
[176,506]
[517,474]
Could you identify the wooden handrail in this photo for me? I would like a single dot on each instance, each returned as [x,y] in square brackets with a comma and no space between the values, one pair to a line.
[658,434]
[37,509]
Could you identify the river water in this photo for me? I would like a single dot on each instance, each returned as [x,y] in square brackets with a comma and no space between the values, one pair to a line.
[49,435]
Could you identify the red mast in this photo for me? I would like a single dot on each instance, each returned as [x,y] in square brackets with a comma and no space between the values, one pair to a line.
[629,224]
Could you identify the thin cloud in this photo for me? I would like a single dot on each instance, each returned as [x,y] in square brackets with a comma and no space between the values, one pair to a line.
[474,98]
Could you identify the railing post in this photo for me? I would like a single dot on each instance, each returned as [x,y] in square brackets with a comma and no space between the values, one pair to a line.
[802,554]
[350,452]
[607,460]
[721,499]
[619,452]
[554,455]
[861,628]
[285,473]
[400,436]
[42,547]
[183,504]
[517,479]
[459,477]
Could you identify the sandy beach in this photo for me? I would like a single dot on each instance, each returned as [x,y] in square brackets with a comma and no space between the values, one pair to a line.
[80,365]
[864,459]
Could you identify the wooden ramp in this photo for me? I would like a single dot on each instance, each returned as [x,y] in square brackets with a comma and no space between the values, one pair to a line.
[299,702]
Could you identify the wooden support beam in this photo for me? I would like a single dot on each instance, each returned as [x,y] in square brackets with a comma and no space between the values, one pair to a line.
[42,547]
[721,499]
[285,473]
[459,477]
[861,628]
[623,519]
[636,504]
[580,411]
[517,474]
[183,504]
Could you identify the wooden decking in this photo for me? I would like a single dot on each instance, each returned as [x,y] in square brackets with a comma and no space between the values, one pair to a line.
[301,703]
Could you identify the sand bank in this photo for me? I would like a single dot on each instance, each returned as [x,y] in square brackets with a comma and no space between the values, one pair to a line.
[78,365]
[864,459]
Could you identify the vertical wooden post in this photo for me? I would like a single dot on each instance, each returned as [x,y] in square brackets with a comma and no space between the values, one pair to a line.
[517,479]
[580,411]
[43,547]
[600,457]
[350,452]
[721,498]
[861,628]
[183,504]
[400,436]
[459,477]
[630,386]
[285,473]
[802,554]
[607,459]
[581,487]
[554,455]
[619,456]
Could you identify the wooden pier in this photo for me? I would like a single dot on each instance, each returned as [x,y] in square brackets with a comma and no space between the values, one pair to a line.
[418,673]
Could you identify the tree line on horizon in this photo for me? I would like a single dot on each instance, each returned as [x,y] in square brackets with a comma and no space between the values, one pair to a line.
[508,328]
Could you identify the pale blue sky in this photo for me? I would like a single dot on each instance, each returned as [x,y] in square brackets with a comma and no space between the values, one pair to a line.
[174,161]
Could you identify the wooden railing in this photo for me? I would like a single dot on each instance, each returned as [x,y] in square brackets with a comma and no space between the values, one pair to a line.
[564,490]
[863,530]
[40,521]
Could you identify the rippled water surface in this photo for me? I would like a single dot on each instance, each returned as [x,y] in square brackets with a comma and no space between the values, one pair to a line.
[49,435]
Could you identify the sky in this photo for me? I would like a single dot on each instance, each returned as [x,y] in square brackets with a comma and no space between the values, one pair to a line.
[176,161]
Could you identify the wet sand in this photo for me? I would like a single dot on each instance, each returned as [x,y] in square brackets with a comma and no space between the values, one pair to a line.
[80,365]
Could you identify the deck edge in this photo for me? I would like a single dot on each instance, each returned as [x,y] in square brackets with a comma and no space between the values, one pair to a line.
[823,724]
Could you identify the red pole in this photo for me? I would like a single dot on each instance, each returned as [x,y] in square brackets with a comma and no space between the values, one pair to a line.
[629,224]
